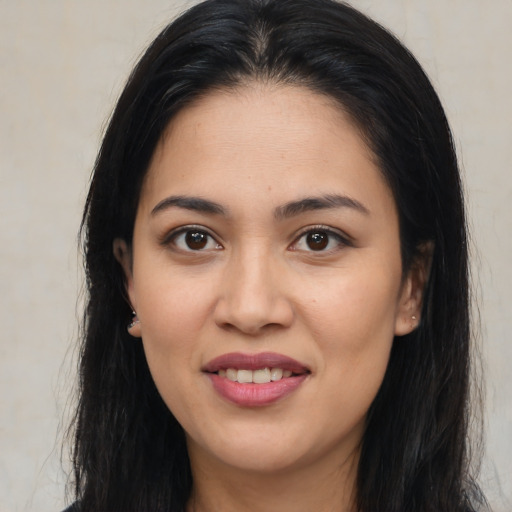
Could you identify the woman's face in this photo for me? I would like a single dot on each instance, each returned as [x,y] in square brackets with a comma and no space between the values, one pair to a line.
[266,243]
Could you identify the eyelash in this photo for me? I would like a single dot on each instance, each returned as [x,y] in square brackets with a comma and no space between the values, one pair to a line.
[173,236]
[340,239]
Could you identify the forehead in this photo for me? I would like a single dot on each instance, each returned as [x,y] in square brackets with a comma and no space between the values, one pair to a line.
[262,109]
[279,137]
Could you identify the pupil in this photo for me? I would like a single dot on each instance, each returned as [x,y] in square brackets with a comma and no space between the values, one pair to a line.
[196,239]
[317,241]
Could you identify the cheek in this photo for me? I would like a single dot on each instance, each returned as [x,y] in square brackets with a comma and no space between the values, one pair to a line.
[173,304]
[352,322]
[357,310]
[172,312]
[171,316]
[355,331]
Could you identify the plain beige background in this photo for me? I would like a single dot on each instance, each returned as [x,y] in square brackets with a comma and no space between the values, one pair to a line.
[62,64]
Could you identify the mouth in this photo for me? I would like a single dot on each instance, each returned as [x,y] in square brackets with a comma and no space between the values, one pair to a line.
[260,376]
[252,380]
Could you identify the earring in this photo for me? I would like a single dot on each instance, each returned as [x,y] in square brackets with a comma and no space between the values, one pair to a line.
[413,317]
[134,321]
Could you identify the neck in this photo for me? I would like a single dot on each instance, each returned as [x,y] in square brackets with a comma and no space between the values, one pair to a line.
[322,488]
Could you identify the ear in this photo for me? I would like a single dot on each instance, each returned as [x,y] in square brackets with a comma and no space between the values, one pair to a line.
[123,254]
[411,295]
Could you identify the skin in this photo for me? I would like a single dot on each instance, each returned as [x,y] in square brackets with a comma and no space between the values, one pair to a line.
[258,286]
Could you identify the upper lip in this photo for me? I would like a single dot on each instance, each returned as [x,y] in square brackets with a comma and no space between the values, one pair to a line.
[242,361]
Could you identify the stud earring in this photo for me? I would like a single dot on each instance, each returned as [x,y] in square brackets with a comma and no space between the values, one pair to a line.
[413,317]
[134,321]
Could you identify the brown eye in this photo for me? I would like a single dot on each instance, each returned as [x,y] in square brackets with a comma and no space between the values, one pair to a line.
[317,241]
[320,240]
[196,240]
[191,239]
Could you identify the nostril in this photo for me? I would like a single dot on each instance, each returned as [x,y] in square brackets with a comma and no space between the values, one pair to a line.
[252,303]
[256,329]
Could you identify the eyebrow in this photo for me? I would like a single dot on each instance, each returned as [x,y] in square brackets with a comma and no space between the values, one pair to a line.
[291,209]
[196,204]
[328,201]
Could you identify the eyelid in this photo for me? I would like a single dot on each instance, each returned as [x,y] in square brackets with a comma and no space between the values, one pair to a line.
[341,236]
[170,236]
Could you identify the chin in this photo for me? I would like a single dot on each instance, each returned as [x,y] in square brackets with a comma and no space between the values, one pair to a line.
[262,450]
[256,459]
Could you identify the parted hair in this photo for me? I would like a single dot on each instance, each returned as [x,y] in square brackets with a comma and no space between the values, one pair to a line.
[129,452]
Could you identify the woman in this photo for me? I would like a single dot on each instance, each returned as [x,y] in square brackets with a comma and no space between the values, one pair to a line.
[276,214]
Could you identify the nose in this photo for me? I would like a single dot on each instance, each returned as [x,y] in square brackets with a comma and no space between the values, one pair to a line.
[253,298]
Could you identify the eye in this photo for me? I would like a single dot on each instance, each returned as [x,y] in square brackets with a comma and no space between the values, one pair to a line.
[319,240]
[193,239]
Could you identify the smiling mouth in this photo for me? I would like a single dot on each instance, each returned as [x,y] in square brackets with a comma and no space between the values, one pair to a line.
[259,368]
[260,376]
[255,380]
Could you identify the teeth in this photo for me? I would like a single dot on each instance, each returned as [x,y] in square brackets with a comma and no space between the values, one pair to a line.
[261,376]
[232,374]
[276,374]
[244,376]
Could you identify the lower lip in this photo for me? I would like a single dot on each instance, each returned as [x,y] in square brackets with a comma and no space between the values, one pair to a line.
[255,395]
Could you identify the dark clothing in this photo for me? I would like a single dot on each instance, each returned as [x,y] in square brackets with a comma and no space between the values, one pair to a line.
[72,508]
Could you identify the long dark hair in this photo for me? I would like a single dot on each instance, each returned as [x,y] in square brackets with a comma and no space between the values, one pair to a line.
[129,451]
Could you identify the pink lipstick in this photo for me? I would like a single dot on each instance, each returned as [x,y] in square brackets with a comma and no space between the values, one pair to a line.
[255,380]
